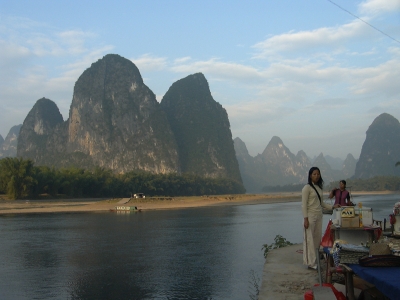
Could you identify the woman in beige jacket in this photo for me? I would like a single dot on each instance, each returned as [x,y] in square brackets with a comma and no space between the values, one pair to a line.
[311,205]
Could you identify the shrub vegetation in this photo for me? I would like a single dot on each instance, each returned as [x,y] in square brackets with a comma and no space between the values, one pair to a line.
[19,179]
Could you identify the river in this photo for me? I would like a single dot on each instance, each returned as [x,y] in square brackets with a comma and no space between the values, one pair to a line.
[197,253]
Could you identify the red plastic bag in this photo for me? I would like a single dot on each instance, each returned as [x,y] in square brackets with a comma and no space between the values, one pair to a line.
[309,295]
[327,238]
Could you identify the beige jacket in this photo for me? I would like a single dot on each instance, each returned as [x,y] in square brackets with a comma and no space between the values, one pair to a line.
[310,204]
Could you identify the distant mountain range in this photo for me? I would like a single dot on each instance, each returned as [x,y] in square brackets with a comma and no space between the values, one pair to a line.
[115,122]
[278,166]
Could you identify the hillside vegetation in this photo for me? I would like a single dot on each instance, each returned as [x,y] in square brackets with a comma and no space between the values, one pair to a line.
[19,179]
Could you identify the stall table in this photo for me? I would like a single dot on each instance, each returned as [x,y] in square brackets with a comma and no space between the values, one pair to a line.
[351,236]
[385,279]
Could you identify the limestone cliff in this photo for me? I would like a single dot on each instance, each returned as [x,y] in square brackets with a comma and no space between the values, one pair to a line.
[38,125]
[349,166]
[249,170]
[116,120]
[282,167]
[381,149]
[327,172]
[8,147]
[201,128]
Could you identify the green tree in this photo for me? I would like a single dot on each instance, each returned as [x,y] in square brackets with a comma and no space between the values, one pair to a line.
[47,181]
[16,177]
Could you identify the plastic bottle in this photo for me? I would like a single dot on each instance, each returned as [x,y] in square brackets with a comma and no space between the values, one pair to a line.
[360,213]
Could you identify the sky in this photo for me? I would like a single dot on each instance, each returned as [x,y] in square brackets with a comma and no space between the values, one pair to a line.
[315,73]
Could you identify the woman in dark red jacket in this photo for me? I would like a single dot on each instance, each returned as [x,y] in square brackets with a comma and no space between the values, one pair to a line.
[342,196]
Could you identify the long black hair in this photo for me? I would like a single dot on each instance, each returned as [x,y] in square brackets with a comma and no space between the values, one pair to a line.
[320,182]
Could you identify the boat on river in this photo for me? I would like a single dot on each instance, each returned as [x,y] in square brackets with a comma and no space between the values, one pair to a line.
[123,208]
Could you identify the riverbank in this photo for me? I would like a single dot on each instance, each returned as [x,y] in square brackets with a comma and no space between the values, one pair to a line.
[150,203]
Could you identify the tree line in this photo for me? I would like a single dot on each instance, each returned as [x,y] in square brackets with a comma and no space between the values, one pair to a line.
[377,183]
[20,178]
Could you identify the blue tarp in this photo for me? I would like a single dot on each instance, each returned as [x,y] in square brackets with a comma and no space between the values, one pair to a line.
[385,279]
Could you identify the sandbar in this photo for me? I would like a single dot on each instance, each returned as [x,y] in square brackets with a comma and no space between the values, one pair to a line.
[149,203]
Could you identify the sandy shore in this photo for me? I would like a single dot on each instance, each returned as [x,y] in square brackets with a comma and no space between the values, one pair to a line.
[150,203]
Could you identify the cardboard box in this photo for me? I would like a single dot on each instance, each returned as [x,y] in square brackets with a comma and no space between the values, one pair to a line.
[347,212]
[351,222]
[366,212]
[367,217]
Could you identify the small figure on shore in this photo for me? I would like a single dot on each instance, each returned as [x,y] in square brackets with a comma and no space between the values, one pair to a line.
[311,205]
[342,196]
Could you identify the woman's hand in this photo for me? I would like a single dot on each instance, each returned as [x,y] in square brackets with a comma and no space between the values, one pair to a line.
[306,223]
[336,206]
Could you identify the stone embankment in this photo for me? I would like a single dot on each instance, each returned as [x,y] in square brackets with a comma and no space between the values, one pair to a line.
[284,275]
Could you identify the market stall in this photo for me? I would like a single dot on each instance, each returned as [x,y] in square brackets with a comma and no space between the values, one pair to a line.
[357,249]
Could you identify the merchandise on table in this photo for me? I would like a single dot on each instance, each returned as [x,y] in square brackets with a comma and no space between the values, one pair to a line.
[345,213]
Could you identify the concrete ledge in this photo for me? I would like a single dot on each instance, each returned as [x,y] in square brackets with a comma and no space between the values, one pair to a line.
[285,276]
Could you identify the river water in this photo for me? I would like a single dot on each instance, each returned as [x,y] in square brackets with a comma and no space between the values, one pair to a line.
[198,253]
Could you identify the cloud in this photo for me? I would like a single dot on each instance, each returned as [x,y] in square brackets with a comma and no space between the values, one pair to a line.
[327,104]
[11,51]
[318,38]
[148,62]
[60,43]
[394,51]
[257,112]
[13,60]
[83,62]
[43,45]
[75,40]
[29,50]
[44,40]
[377,7]
[295,83]
[382,79]
[182,60]
[219,70]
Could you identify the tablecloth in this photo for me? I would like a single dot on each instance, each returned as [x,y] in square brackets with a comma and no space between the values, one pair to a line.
[385,279]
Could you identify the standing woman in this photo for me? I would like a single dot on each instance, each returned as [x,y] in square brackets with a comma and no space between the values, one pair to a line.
[311,205]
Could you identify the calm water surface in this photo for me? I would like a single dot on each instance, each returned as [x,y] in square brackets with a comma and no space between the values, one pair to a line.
[201,253]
